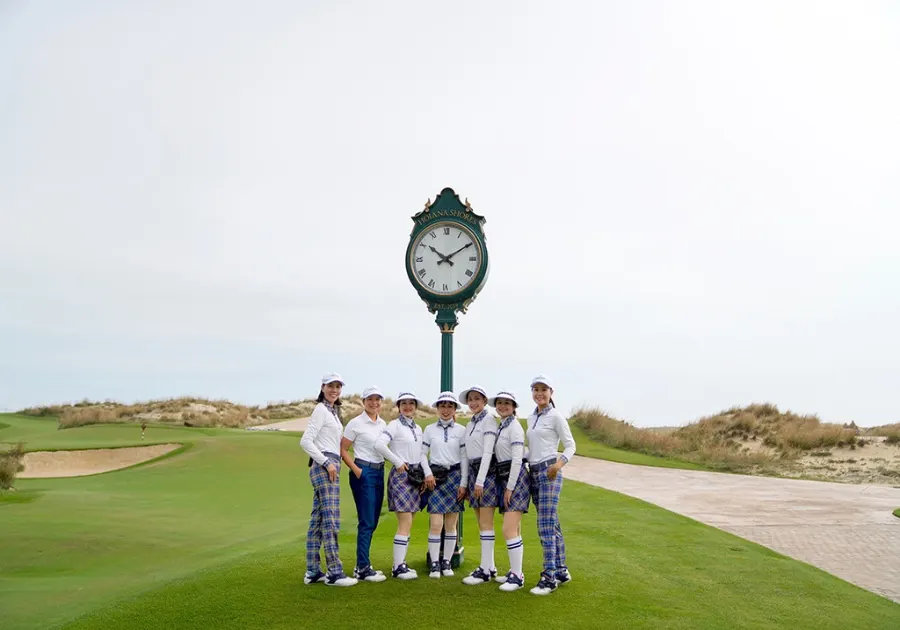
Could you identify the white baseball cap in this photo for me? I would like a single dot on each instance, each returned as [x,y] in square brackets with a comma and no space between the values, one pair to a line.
[505,395]
[446,397]
[410,396]
[332,377]
[542,380]
[464,396]
[372,391]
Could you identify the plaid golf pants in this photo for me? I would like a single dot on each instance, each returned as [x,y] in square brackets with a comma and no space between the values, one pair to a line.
[325,520]
[545,495]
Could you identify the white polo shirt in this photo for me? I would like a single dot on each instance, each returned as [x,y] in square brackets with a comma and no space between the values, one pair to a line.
[511,448]
[545,430]
[445,445]
[482,428]
[402,442]
[365,433]
[323,434]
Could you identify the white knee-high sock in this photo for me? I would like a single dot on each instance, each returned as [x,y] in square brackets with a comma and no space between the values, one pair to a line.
[487,551]
[434,547]
[449,544]
[400,545]
[514,546]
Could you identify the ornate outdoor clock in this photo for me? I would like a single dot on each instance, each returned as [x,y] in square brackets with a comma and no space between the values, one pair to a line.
[447,264]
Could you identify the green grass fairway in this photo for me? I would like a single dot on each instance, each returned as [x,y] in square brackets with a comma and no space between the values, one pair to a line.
[897,512]
[213,537]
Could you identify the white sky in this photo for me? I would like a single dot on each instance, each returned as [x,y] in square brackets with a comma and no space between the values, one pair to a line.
[689,205]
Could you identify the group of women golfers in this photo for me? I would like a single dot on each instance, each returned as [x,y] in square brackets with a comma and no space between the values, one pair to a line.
[485,461]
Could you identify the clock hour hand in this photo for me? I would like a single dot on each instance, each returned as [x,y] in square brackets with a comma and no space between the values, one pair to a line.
[445,259]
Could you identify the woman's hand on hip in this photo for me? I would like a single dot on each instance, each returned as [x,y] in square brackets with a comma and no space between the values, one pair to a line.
[402,468]
[358,472]
[429,482]
[332,471]
[553,470]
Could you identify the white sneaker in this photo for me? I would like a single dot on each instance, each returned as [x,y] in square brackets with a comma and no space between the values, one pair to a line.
[403,572]
[340,580]
[435,571]
[312,577]
[446,571]
[478,576]
[545,586]
[369,574]
[499,579]
[512,582]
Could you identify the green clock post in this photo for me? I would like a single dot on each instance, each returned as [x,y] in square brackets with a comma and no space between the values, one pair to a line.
[447,264]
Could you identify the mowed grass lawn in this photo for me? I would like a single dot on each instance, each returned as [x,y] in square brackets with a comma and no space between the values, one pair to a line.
[213,537]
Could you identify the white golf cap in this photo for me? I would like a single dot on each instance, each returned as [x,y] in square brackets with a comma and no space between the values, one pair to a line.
[446,397]
[372,391]
[542,380]
[410,396]
[464,396]
[505,395]
[332,377]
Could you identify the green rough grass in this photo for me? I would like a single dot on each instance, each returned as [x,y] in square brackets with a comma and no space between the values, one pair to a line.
[897,512]
[214,538]
[10,497]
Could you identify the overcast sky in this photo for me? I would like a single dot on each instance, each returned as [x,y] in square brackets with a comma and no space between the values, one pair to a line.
[690,205]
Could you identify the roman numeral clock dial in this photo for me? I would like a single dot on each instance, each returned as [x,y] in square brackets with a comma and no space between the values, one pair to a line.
[446,258]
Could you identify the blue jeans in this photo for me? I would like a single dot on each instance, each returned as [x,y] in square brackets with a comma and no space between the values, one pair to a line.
[368,494]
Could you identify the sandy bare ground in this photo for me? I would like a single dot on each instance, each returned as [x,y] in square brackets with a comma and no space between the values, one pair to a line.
[294,424]
[43,464]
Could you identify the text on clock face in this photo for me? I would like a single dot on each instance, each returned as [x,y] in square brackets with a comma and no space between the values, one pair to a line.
[445,259]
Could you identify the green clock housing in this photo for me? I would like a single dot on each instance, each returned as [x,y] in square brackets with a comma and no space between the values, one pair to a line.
[447,258]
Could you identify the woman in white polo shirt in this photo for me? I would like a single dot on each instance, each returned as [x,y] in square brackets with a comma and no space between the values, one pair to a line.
[481,432]
[401,443]
[546,429]
[363,433]
[446,470]
[322,442]
[513,485]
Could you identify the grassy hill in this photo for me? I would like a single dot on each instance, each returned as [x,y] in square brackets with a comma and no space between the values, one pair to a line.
[199,412]
[759,439]
[214,537]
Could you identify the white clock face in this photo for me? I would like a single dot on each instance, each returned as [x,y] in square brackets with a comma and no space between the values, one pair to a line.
[446,258]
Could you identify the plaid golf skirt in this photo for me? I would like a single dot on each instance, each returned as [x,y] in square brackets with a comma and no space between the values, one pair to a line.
[489,497]
[521,494]
[403,496]
[442,499]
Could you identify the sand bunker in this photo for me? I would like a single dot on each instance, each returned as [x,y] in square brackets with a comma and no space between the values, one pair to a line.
[88,462]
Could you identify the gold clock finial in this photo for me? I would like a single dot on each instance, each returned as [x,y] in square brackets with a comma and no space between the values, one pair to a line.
[468,205]
[428,204]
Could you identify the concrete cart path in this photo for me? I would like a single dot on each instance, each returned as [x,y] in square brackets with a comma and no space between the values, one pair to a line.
[847,530]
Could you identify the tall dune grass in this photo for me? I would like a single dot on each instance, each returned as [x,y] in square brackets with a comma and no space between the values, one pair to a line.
[713,454]
[740,438]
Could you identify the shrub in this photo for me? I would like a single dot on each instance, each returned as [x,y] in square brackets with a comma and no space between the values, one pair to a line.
[892,439]
[11,464]
[82,416]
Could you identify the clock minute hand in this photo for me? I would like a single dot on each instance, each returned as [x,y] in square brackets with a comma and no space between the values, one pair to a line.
[445,259]
[457,251]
